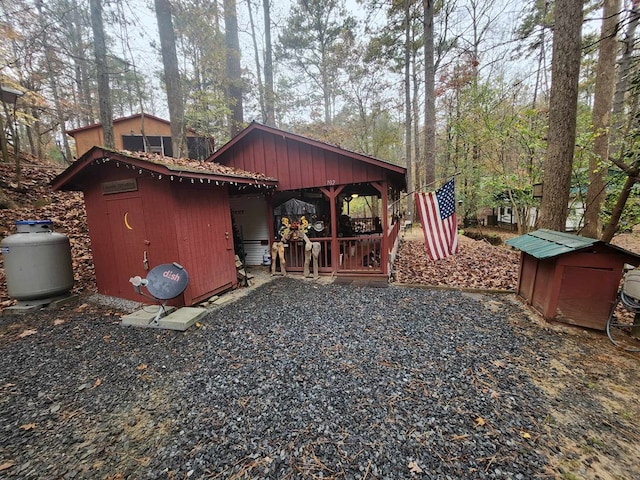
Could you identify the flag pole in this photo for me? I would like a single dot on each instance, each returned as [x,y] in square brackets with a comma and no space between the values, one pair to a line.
[402,197]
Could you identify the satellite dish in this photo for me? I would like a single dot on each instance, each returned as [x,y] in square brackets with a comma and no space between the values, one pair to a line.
[167,281]
[164,282]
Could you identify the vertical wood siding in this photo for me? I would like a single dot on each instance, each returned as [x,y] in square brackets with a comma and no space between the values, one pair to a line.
[205,239]
[575,287]
[170,222]
[298,165]
[119,251]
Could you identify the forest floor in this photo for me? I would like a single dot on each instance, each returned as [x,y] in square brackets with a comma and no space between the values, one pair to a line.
[589,386]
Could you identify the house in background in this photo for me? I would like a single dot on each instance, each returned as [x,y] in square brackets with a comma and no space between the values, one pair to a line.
[130,133]
[504,216]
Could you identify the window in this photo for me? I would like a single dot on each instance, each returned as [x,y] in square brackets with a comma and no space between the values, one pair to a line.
[199,148]
[154,144]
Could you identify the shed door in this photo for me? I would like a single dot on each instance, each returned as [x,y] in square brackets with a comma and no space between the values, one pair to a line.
[205,240]
[586,295]
[128,236]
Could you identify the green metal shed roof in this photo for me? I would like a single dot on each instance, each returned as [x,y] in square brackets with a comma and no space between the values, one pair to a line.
[549,243]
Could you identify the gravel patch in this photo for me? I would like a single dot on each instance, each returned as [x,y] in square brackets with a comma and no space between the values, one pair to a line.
[120,304]
[296,380]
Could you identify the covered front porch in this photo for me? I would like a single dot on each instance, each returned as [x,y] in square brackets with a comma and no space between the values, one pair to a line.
[356,229]
[345,201]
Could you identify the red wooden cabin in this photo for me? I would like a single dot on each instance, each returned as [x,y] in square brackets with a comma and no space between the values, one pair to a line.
[328,177]
[144,210]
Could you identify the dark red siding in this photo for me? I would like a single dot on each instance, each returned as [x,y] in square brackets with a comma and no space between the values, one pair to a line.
[296,164]
[165,222]
[576,287]
[119,247]
[205,240]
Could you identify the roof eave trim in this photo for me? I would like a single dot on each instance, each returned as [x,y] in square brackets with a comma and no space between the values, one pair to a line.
[64,180]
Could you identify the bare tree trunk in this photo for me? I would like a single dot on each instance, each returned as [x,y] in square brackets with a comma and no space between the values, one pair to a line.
[618,120]
[33,133]
[541,71]
[429,95]
[53,84]
[601,118]
[175,99]
[102,72]
[407,105]
[270,117]
[256,55]
[80,66]
[234,79]
[612,226]
[419,164]
[3,142]
[624,69]
[563,107]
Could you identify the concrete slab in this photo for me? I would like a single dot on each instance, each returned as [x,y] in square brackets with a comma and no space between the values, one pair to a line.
[145,315]
[222,300]
[23,308]
[62,301]
[26,306]
[180,319]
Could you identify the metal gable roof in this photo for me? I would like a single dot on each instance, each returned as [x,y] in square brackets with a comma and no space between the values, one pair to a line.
[549,243]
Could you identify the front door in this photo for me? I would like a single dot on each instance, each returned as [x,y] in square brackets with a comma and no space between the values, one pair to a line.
[127,229]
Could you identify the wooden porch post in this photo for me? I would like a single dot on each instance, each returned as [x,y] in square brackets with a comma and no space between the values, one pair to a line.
[384,244]
[332,193]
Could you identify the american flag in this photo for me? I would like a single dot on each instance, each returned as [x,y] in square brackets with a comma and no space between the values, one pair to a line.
[437,212]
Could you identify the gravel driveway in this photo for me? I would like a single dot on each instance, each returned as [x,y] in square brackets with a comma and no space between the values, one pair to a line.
[296,380]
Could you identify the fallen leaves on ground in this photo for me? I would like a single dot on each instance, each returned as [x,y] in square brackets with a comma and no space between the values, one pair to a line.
[480,422]
[414,467]
[33,199]
[477,265]
[27,333]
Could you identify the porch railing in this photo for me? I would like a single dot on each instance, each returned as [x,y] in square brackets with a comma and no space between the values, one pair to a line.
[360,254]
[294,255]
[356,254]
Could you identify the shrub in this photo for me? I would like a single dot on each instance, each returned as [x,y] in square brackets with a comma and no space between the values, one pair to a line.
[492,239]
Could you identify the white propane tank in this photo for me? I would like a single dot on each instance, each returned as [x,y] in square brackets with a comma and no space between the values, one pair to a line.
[266,259]
[37,261]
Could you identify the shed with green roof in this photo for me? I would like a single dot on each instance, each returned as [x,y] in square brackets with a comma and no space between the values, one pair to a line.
[570,278]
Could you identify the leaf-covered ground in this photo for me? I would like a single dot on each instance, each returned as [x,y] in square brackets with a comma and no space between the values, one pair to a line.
[32,199]
[477,265]
[592,385]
